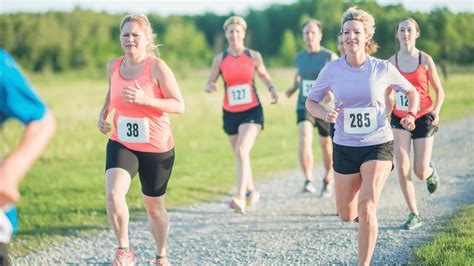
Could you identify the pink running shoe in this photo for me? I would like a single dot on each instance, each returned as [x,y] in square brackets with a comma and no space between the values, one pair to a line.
[124,258]
[237,205]
[251,199]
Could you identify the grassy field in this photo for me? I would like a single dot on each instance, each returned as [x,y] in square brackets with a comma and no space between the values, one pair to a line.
[455,246]
[64,192]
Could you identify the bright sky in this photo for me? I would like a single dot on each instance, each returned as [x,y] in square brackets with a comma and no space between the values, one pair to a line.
[167,7]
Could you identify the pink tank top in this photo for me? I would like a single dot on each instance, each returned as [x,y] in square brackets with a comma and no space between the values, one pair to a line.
[137,127]
[420,80]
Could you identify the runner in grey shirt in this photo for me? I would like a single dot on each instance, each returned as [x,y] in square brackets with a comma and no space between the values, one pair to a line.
[363,146]
[309,63]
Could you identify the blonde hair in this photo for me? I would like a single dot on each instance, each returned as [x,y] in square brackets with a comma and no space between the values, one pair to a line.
[368,23]
[235,20]
[315,21]
[144,23]
[412,20]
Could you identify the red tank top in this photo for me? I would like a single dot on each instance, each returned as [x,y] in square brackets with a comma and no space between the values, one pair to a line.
[238,75]
[137,127]
[420,80]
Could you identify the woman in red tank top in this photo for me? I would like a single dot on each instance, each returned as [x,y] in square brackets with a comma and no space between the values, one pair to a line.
[418,68]
[243,115]
[142,91]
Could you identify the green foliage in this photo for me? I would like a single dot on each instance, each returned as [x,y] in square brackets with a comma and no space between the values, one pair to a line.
[288,49]
[183,43]
[86,40]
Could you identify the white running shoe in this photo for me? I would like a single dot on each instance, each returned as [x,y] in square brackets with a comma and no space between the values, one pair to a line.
[326,190]
[309,187]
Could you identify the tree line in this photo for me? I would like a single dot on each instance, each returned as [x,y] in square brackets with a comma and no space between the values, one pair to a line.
[84,39]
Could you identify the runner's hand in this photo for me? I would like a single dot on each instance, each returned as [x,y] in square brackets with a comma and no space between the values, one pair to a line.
[137,95]
[435,118]
[331,115]
[9,192]
[274,94]
[103,125]
[211,87]
[290,92]
[408,123]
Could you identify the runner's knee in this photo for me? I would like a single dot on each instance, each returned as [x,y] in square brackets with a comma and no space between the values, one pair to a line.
[366,210]
[421,171]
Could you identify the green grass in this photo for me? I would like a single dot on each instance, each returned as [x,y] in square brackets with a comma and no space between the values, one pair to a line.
[454,246]
[64,192]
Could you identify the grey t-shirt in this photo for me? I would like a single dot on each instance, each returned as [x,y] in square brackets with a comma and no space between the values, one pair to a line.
[359,93]
[309,65]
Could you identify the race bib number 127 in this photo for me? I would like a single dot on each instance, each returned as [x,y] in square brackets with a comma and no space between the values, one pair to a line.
[239,94]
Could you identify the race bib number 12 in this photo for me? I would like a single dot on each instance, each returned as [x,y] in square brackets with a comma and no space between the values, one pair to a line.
[360,120]
[133,130]
[401,101]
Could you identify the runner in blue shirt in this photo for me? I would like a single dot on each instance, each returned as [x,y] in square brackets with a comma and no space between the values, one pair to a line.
[18,100]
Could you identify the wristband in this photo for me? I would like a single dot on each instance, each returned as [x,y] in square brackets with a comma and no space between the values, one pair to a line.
[271,87]
[412,114]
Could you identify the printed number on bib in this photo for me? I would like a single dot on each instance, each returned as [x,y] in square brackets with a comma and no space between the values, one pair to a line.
[133,130]
[402,102]
[360,120]
[239,94]
[307,85]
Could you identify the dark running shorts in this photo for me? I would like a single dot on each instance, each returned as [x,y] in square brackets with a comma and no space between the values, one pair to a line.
[4,259]
[323,127]
[348,160]
[424,127]
[154,168]
[232,120]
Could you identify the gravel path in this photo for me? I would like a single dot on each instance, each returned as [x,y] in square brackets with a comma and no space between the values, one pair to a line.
[290,227]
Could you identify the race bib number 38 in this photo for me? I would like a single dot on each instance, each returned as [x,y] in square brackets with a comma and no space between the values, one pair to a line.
[239,94]
[133,130]
[360,120]
[401,101]
[307,85]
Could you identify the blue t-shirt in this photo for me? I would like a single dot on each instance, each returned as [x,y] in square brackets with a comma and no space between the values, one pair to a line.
[18,98]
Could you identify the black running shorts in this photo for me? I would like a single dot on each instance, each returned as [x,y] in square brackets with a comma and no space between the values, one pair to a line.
[324,128]
[424,127]
[4,259]
[154,168]
[348,160]
[232,120]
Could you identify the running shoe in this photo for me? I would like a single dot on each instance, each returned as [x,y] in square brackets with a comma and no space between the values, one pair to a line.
[309,187]
[251,199]
[326,190]
[237,205]
[123,258]
[412,222]
[433,181]
[160,261]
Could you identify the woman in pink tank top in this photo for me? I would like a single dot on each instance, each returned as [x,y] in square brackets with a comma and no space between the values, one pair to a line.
[243,114]
[420,70]
[142,91]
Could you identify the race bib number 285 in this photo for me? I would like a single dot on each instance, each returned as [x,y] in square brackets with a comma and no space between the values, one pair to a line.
[360,120]
[133,130]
